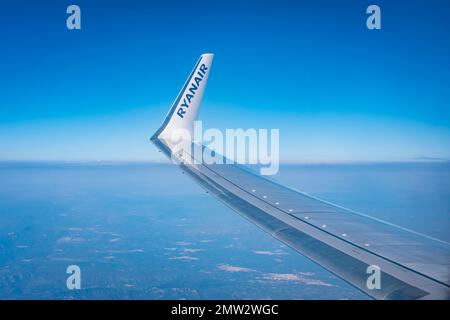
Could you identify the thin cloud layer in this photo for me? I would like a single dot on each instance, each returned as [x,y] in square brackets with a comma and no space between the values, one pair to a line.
[291,277]
[230,268]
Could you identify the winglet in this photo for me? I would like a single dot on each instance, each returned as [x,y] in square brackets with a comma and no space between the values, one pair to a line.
[185,109]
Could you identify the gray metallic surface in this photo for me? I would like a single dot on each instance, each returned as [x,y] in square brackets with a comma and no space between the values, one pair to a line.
[413,266]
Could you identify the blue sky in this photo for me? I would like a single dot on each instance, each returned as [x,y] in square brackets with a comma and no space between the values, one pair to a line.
[336,91]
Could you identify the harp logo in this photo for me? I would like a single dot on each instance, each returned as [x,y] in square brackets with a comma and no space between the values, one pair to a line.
[192,90]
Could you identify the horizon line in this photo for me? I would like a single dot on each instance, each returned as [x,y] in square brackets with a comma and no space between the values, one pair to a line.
[285,162]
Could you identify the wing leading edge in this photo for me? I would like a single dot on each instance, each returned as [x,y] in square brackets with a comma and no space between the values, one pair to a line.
[346,243]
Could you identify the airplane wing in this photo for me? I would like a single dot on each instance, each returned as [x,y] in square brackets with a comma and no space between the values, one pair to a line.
[347,243]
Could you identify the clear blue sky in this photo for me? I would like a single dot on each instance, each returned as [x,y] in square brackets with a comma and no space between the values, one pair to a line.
[336,91]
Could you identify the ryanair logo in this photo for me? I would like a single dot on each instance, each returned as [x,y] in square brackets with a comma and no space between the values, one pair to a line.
[190,93]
